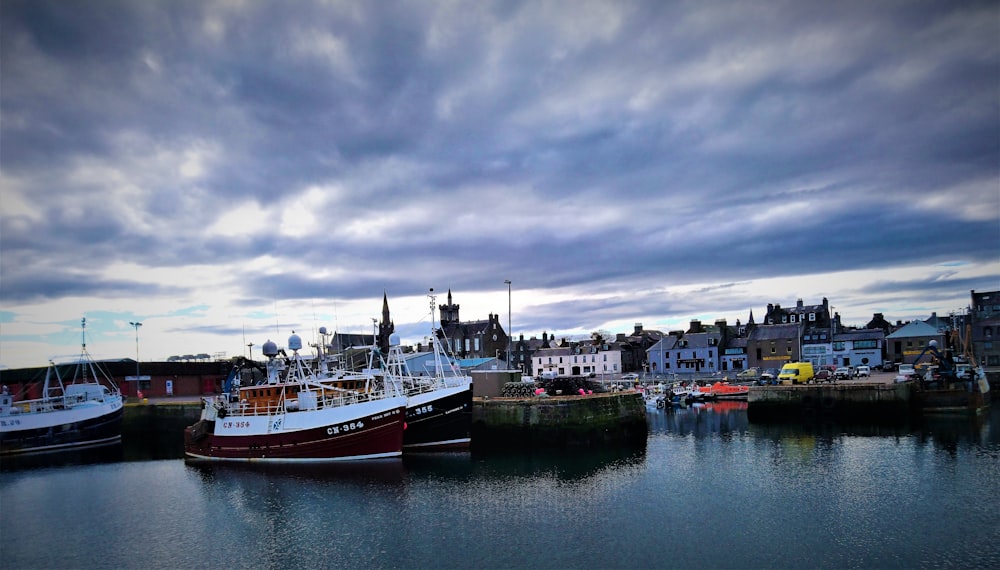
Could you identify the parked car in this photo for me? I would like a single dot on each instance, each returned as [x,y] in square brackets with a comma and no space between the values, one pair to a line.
[842,373]
[888,366]
[749,373]
[862,372]
[769,376]
[823,375]
[906,372]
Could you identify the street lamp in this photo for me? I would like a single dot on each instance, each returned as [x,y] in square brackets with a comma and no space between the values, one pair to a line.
[136,324]
[509,332]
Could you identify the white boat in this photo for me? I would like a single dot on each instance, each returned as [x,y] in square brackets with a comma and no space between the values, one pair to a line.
[299,415]
[84,411]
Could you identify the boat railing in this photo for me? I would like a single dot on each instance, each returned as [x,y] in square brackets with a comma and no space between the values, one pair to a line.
[50,404]
[334,400]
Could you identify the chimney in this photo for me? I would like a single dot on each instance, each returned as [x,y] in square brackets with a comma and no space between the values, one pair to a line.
[638,329]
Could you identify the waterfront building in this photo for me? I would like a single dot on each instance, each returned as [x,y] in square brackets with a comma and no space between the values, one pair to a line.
[984,313]
[472,339]
[658,355]
[525,349]
[771,346]
[858,347]
[580,359]
[909,341]
[734,354]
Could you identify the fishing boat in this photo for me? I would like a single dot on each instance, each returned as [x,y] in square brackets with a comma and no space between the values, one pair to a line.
[950,385]
[438,401]
[298,415]
[83,411]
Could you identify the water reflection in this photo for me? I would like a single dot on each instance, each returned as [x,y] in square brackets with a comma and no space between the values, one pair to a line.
[90,456]
[382,471]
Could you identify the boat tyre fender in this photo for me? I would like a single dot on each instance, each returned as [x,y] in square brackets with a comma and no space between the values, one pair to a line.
[659,404]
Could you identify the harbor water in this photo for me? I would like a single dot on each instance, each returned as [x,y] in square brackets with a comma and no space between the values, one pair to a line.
[708,489]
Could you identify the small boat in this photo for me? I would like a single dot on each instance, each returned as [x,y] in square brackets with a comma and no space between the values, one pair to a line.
[727,391]
[86,411]
[656,397]
[297,415]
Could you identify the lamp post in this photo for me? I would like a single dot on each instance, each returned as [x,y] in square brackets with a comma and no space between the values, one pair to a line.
[509,332]
[136,324]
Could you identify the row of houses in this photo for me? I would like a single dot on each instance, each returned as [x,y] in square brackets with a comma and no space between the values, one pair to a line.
[802,332]
[786,334]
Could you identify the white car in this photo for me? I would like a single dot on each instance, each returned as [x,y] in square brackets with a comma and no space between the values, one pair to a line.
[906,372]
[842,373]
[862,371]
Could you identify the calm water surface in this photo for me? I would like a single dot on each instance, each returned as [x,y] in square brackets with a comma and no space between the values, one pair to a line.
[708,490]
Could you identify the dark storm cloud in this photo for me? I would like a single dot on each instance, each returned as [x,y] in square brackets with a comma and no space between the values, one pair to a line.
[617,146]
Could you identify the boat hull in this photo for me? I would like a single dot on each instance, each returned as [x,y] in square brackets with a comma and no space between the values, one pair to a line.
[369,430]
[90,425]
[440,420]
[956,400]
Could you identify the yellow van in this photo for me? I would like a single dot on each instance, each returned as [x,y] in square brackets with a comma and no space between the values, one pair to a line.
[796,373]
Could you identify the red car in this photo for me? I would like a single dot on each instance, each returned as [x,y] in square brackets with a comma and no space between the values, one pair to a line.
[823,375]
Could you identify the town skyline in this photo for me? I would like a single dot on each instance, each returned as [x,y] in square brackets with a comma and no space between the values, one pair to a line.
[225,173]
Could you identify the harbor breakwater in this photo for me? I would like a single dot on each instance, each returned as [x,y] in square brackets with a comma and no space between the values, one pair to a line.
[870,400]
[559,420]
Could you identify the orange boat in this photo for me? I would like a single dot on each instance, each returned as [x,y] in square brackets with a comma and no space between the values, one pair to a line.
[727,391]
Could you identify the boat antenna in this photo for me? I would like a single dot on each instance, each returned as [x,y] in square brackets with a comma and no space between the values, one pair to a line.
[83,345]
[433,298]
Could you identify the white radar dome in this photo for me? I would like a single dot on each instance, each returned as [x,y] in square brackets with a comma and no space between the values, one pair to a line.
[394,339]
[269,348]
[294,342]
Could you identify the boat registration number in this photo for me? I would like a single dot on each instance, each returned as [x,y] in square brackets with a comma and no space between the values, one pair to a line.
[334,430]
[10,423]
[421,410]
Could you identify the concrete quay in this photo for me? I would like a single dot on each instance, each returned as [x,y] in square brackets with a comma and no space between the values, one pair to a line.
[875,398]
[878,398]
[559,420]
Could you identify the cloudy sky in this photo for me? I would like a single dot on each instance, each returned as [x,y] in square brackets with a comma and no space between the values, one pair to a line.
[228,171]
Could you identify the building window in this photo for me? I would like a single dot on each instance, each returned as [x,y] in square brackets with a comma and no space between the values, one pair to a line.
[812,317]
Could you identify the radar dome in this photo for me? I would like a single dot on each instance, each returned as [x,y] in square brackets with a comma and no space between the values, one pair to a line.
[294,342]
[394,339]
[932,344]
[269,348]
[322,330]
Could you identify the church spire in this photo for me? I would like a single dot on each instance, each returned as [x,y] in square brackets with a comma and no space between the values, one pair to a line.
[386,327]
